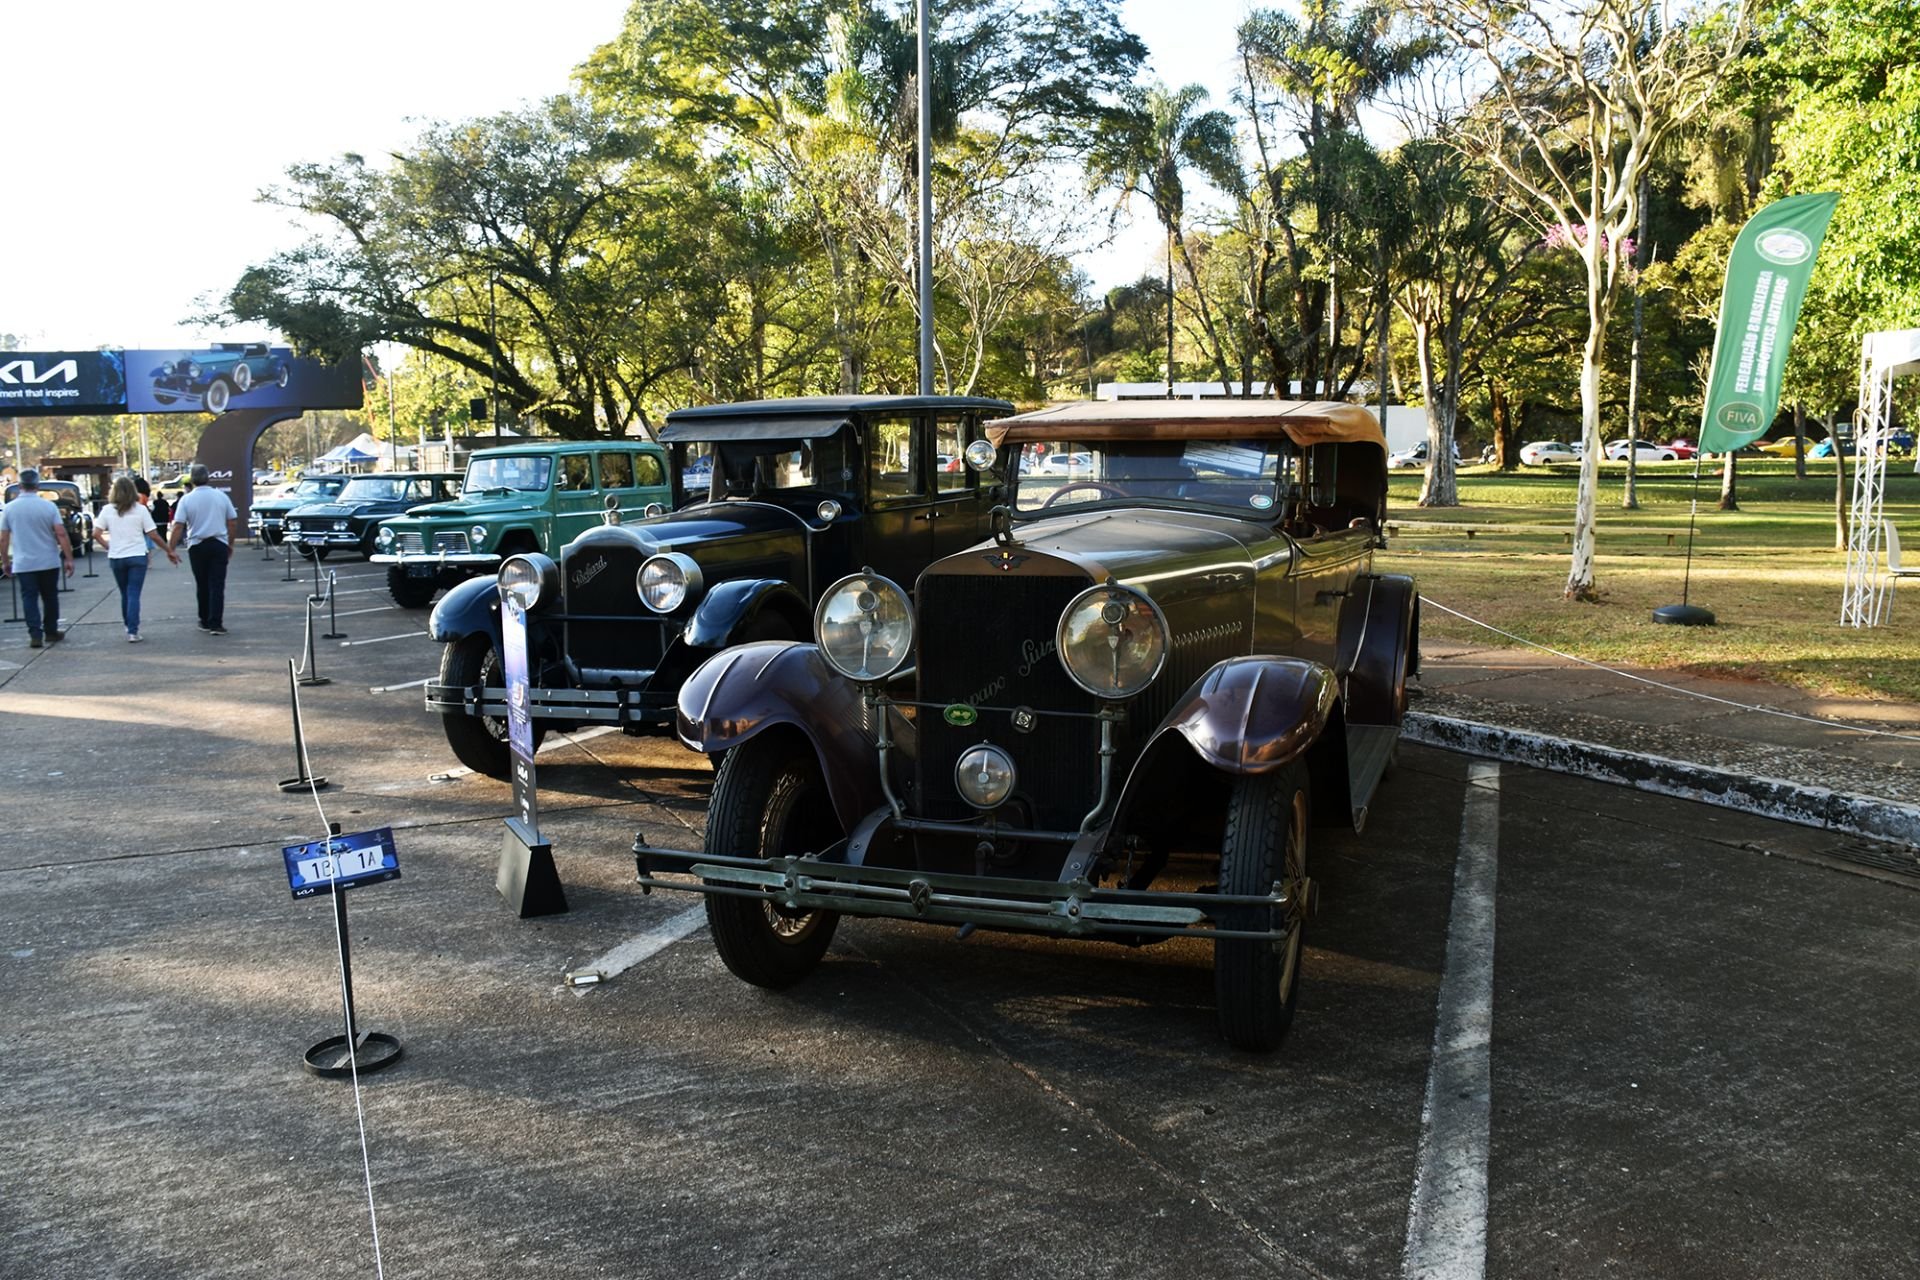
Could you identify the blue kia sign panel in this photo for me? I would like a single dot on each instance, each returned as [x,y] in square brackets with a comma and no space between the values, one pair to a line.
[236,375]
[46,382]
[212,379]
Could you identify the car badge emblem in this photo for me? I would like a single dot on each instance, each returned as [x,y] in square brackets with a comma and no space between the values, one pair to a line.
[960,715]
[1004,560]
[1024,719]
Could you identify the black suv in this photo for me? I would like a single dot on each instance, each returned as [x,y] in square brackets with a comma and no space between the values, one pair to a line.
[351,518]
[799,492]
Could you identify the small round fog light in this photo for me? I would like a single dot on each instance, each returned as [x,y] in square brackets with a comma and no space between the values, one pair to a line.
[984,776]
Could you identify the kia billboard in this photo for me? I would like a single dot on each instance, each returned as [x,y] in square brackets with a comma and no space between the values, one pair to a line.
[35,383]
[210,379]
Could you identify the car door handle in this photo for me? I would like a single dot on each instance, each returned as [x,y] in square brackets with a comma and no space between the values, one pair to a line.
[928,515]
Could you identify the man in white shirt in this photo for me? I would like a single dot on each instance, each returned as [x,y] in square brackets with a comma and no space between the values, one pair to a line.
[207,522]
[32,529]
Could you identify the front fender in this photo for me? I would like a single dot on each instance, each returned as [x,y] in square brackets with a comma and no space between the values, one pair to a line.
[741,692]
[718,617]
[468,608]
[1253,715]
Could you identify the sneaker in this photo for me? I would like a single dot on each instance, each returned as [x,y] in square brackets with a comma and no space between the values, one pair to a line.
[216,631]
[204,627]
[133,637]
[34,642]
[55,634]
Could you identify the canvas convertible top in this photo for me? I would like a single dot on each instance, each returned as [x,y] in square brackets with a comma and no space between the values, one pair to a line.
[1305,422]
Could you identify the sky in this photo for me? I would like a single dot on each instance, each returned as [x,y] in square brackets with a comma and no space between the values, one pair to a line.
[144,130]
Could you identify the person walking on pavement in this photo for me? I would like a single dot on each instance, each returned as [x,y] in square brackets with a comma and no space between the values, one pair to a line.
[32,529]
[207,522]
[125,527]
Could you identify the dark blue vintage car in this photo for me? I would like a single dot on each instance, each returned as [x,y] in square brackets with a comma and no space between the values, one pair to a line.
[350,520]
[213,377]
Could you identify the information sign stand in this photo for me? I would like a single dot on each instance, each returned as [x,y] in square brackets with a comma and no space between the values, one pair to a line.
[332,866]
[527,878]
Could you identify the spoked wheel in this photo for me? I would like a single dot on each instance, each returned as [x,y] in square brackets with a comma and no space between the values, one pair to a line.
[479,742]
[1257,983]
[769,800]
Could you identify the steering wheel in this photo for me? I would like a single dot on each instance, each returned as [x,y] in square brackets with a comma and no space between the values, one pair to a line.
[1103,489]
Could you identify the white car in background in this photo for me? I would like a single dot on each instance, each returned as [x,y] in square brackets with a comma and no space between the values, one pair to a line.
[1416,457]
[1065,464]
[1543,453]
[1643,451]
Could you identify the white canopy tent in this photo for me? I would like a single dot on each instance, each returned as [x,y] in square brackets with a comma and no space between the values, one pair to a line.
[1883,357]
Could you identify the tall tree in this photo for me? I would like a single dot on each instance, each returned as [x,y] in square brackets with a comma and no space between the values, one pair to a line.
[1146,147]
[1589,89]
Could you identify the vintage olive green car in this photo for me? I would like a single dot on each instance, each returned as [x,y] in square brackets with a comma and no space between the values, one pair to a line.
[1117,718]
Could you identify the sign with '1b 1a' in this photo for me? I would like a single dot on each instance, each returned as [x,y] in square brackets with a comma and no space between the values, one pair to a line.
[342,862]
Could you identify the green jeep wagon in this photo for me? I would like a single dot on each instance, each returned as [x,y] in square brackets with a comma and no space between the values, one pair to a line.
[523,497]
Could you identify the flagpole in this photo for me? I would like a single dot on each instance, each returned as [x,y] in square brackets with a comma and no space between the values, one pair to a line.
[1684,614]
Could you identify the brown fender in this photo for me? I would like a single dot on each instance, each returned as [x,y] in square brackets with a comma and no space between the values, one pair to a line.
[1253,715]
[741,692]
[1379,647]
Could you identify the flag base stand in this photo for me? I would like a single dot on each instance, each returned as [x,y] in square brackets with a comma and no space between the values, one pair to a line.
[372,1051]
[527,878]
[1683,615]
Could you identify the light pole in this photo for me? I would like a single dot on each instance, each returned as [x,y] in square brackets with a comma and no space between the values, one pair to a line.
[924,252]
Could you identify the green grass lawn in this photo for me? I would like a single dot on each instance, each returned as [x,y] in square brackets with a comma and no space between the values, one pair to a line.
[1769,572]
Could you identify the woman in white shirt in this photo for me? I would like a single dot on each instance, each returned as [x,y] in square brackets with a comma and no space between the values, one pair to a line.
[124,528]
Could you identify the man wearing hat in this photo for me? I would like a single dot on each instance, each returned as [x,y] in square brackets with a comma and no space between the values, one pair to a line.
[32,529]
[205,520]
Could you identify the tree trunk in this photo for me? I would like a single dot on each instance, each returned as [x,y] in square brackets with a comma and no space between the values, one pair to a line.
[1441,486]
[1729,501]
[1839,486]
[1502,424]
[1169,311]
[1799,440]
[1580,585]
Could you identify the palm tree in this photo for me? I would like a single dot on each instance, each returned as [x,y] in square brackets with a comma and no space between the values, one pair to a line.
[1142,148]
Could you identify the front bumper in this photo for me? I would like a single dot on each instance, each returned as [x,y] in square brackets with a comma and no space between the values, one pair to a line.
[426,562]
[327,538]
[1065,908]
[592,706]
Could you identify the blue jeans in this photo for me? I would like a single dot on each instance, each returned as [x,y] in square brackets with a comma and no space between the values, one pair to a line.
[130,574]
[40,590]
[209,561]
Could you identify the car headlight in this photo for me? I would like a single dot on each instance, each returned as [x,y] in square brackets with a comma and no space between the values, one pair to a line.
[984,776]
[528,579]
[1112,641]
[293,526]
[384,537]
[193,370]
[478,535]
[666,582]
[864,626]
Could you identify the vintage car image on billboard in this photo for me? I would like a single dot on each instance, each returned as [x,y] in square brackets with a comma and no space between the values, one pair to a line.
[211,379]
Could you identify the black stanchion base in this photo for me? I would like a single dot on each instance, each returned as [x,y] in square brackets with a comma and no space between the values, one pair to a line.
[302,784]
[1683,615]
[375,1050]
[527,878]
[310,681]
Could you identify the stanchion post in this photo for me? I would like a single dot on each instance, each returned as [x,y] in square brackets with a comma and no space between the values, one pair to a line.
[316,575]
[309,669]
[88,524]
[13,584]
[333,631]
[301,779]
[287,547]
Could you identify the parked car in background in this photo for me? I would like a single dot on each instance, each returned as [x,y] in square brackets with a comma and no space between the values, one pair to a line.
[1063,464]
[1781,448]
[1416,457]
[1642,450]
[1116,719]
[804,491]
[1683,449]
[211,378]
[1824,449]
[515,499]
[350,520]
[267,517]
[1543,453]
[75,511]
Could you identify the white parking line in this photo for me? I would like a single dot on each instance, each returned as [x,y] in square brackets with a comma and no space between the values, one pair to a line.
[379,608]
[348,644]
[411,684]
[634,950]
[360,591]
[1447,1222]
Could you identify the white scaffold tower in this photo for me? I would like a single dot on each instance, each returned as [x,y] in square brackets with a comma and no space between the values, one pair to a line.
[1883,357]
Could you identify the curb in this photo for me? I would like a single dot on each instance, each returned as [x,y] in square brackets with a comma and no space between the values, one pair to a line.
[1807,806]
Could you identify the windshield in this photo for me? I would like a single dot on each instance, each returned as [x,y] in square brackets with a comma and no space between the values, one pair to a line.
[1241,475]
[764,466]
[312,488]
[529,474]
[374,489]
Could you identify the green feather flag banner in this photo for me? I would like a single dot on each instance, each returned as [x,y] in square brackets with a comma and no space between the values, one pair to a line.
[1767,276]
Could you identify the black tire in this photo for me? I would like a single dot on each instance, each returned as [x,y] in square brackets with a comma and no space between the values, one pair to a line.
[1257,984]
[479,742]
[218,393]
[769,799]
[370,541]
[408,591]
